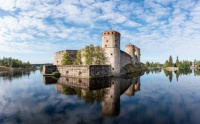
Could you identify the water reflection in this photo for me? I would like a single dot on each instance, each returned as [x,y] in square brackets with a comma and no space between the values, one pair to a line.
[156,71]
[197,72]
[106,91]
[170,74]
[26,100]
[14,75]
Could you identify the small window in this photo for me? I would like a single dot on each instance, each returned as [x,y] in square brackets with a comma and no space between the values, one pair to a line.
[108,33]
[80,73]
[111,96]
[112,68]
[112,32]
[115,45]
[80,81]
[105,45]
[111,54]
[67,72]
[112,82]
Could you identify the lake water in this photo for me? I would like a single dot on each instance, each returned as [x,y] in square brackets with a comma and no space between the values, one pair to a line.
[154,97]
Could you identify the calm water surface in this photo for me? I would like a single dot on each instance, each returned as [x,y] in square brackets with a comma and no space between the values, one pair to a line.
[157,97]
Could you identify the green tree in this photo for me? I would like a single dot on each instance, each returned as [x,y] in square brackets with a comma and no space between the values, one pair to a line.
[147,64]
[170,61]
[166,64]
[177,62]
[99,56]
[93,55]
[66,59]
[184,65]
[89,54]
[11,62]
[78,58]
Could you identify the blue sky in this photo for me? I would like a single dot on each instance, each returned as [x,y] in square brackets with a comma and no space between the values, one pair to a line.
[32,30]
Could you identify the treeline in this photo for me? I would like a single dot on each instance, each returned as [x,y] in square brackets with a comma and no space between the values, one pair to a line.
[87,56]
[11,62]
[181,65]
[185,64]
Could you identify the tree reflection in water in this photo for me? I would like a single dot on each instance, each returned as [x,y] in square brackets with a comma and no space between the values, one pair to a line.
[106,91]
[14,75]
[177,73]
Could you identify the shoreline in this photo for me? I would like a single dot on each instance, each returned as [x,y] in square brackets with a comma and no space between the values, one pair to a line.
[4,69]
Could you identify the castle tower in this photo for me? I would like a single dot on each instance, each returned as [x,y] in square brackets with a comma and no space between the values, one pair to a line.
[111,48]
[137,53]
[130,49]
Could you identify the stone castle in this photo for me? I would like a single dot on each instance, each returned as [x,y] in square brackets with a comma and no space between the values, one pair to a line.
[114,62]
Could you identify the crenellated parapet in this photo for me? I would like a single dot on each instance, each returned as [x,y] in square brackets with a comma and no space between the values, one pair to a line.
[59,55]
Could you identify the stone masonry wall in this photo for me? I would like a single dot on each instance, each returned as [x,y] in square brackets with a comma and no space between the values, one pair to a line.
[80,71]
[125,59]
[73,70]
[59,55]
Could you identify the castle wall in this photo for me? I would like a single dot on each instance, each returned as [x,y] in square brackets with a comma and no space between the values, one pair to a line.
[137,54]
[80,71]
[130,49]
[73,70]
[125,59]
[59,55]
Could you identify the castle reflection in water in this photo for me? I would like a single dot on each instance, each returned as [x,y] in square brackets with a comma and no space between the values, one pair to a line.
[106,91]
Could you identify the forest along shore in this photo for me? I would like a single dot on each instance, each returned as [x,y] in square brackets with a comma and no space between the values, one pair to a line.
[4,69]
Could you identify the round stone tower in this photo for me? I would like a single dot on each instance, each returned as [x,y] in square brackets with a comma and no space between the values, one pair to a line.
[111,48]
[130,49]
[137,53]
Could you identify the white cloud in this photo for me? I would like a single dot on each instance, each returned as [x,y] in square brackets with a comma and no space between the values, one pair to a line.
[132,24]
[7,5]
[147,23]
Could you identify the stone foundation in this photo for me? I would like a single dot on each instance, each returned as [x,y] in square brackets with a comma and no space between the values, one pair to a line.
[80,71]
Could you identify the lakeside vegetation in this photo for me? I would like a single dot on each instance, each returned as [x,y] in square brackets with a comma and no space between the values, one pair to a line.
[11,64]
[177,65]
